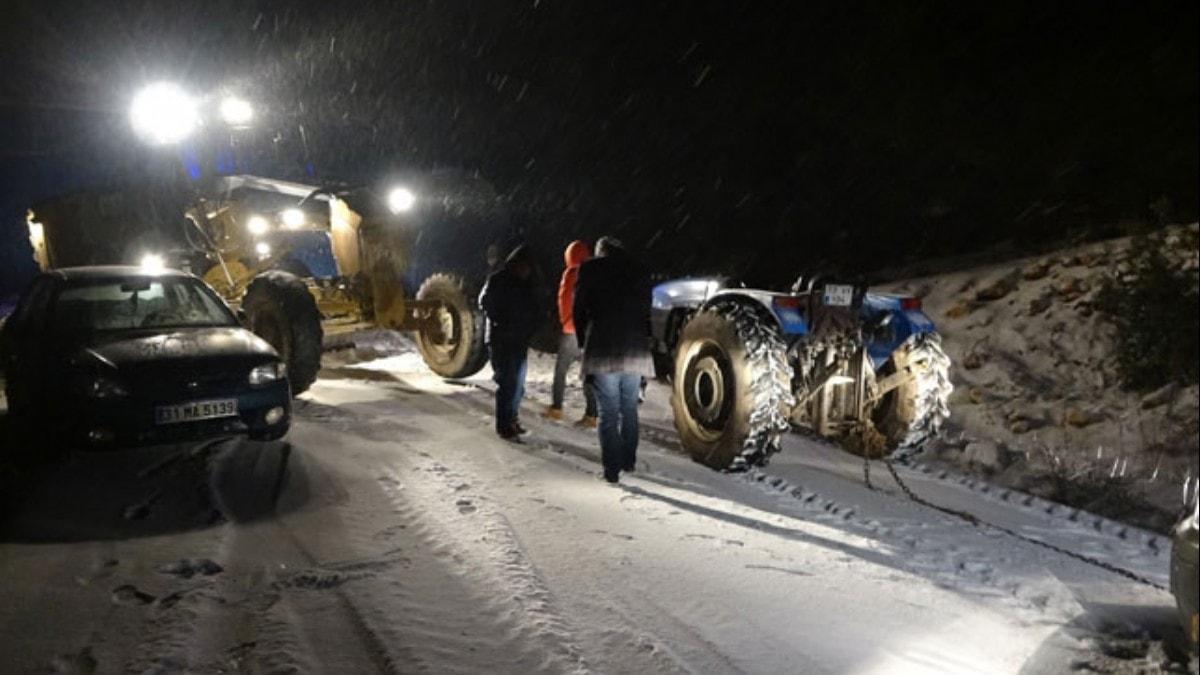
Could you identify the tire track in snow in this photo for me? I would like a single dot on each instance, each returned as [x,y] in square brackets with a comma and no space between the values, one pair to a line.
[942,552]
[527,616]
[951,562]
[631,635]
[685,646]
[264,617]
[524,610]
[416,606]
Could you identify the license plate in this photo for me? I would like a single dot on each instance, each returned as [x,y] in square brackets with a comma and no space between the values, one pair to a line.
[196,410]
[839,295]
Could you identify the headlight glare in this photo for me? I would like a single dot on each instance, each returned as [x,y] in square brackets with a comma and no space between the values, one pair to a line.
[267,373]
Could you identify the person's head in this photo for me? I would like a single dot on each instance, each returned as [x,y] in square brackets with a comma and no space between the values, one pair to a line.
[520,262]
[492,255]
[608,245]
[576,254]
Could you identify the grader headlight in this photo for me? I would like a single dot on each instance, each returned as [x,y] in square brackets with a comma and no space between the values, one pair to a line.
[257,226]
[401,199]
[153,263]
[292,218]
[163,113]
[236,112]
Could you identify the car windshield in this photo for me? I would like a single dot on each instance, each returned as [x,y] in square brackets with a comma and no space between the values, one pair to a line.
[134,303]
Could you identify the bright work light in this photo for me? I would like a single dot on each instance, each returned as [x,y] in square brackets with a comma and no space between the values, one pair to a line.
[292,218]
[236,112]
[257,225]
[152,262]
[400,200]
[163,113]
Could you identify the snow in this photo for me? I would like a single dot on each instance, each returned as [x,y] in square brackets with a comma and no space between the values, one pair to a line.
[1034,372]
[394,532]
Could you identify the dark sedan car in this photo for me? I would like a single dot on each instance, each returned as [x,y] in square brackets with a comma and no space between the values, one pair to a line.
[125,355]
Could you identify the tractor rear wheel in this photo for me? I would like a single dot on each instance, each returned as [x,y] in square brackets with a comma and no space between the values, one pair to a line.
[731,393]
[454,348]
[914,412]
[281,311]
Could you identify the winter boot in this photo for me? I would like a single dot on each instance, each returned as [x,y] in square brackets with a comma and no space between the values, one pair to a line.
[588,422]
[552,413]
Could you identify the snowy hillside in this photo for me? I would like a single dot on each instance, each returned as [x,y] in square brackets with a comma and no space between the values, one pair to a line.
[1038,404]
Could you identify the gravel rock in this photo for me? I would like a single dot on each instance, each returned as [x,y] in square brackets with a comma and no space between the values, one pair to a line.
[986,454]
[1159,396]
[1079,417]
[1037,270]
[998,288]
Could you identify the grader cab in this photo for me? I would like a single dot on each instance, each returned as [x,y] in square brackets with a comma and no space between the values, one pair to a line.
[300,261]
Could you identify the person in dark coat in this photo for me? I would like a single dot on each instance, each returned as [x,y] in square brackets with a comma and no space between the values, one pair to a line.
[510,301]
[612,324]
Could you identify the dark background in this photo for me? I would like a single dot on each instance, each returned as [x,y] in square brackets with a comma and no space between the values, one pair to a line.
[759,138]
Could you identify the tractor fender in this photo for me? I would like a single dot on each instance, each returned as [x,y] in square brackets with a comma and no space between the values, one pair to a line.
[781,307]
[901,324]
[672,304]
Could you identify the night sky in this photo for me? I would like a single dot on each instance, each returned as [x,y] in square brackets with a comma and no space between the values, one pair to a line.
[757,138]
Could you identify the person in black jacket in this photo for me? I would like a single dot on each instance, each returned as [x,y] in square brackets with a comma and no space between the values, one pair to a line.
[510,301]
[612,325]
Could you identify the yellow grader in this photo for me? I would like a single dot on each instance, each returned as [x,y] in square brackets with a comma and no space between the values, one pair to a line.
[297,261]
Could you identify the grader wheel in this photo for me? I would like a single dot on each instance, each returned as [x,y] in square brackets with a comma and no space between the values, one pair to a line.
[281,311]
[453,346]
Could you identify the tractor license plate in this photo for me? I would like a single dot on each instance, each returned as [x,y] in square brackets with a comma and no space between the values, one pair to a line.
[195,410]
[838,295]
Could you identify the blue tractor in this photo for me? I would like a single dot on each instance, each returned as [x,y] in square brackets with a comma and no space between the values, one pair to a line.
[866,370]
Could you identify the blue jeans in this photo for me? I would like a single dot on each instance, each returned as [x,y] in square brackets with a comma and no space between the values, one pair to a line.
[508,372]
[617,396]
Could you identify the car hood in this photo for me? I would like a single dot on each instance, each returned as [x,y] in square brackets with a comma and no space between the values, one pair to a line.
[182,345]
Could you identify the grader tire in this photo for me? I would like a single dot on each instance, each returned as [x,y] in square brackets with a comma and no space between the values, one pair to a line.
[914,412]
[458,349]
[281,311]
[731,393]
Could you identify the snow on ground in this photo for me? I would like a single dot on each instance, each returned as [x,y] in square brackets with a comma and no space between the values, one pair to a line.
[394,532]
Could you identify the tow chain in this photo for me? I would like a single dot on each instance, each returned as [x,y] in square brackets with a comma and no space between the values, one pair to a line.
[976,522]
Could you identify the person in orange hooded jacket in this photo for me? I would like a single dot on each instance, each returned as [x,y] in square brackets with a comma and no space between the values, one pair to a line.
[568,348]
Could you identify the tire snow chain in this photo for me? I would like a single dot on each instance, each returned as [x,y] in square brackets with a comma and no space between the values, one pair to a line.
[976,522]
[760,341]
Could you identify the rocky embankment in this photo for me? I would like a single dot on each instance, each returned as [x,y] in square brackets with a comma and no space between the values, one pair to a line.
[1039,404]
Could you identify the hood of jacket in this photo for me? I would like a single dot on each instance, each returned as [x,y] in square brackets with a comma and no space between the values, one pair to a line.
[576,254]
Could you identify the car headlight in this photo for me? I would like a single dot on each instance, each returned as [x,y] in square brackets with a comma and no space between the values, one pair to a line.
[266,373]
[104,387]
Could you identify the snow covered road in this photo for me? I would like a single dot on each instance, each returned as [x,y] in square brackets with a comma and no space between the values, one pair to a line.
[395,533]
